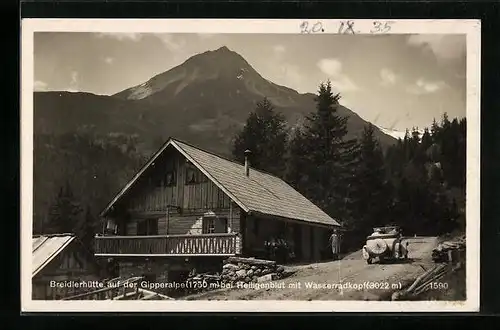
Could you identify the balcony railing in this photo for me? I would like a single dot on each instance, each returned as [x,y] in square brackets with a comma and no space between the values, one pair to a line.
[168,245]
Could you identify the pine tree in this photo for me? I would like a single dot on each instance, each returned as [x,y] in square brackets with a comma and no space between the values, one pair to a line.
[295,175]
[435,129]
[370,191]
[423,154]
[265,134]
[65,212]
[426,141]
[425,172]
[86,229]
[323,156]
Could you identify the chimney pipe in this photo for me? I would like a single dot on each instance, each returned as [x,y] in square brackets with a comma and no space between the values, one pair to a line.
[247,162]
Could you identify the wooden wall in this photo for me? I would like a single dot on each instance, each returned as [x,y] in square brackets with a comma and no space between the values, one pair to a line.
[320,242]
[72,264]
[186,223]
[313,239]
[185,199]
[154,191]
[155,194]
[306,242]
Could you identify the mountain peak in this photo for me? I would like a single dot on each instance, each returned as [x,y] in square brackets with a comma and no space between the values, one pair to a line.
[223,49]
[223,54]
[223,60]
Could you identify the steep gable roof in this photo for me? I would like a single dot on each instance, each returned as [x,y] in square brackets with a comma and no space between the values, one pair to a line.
[260,192]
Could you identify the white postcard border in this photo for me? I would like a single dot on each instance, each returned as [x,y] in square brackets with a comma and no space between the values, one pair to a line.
[214,26]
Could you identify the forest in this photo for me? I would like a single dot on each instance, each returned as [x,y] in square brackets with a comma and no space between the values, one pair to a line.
[75,176]
[417,183]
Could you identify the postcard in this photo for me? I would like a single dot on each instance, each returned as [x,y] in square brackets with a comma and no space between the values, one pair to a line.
[250,165]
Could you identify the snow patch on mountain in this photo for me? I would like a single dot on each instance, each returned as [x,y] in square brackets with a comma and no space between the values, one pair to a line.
[396,133]
[140,92]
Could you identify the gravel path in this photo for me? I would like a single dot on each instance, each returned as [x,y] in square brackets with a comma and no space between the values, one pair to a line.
[320,281]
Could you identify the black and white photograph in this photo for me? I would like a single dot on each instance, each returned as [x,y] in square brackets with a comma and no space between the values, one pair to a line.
[321,165]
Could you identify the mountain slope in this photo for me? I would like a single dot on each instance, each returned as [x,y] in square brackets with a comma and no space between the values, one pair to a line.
[214,92]
[205,101]
[97,142]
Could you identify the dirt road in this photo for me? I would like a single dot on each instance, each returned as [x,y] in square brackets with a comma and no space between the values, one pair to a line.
[348,279]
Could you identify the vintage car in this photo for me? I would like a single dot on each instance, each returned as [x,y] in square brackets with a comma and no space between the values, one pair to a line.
[386,243]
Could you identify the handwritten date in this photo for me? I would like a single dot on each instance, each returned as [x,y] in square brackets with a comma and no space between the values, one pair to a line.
[381,27]
[345,27]
[306,27]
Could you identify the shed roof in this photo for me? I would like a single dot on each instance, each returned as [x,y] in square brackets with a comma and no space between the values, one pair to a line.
[46,247]
[258,192]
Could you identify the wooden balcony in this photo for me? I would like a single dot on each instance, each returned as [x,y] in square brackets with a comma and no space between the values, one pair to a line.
[168,245]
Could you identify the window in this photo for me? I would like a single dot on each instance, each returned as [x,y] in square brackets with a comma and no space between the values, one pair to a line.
[221,225]
[168,179]
[122,228]
[208,225]
[190,174]
[193,175]
[147,227]
[214,225]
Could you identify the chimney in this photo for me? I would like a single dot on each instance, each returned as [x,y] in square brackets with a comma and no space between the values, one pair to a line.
[247,163]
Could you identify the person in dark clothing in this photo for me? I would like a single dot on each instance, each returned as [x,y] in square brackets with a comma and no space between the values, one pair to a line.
[335,244]
[270,248]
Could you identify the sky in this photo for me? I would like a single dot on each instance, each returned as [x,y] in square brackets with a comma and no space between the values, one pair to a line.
[394,81]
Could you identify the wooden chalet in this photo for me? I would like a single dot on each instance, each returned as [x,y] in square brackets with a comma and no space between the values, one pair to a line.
[188,202]
[59,259]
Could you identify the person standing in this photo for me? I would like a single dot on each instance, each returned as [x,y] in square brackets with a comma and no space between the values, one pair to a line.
[335,244]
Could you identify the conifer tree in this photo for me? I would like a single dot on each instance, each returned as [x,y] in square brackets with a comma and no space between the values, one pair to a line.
[86,229]
[65,212]
[324,156]
[265,134]
[373,201]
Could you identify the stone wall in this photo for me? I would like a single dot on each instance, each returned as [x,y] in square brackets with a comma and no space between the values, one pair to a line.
[236,272]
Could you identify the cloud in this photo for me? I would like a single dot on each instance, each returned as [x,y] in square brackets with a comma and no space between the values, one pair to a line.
[279,49]
[121,36]
[330,66]
[172,43]
[423,86]
[388,77]
[109,60]
[443,46]
[333,69]
[40,86]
